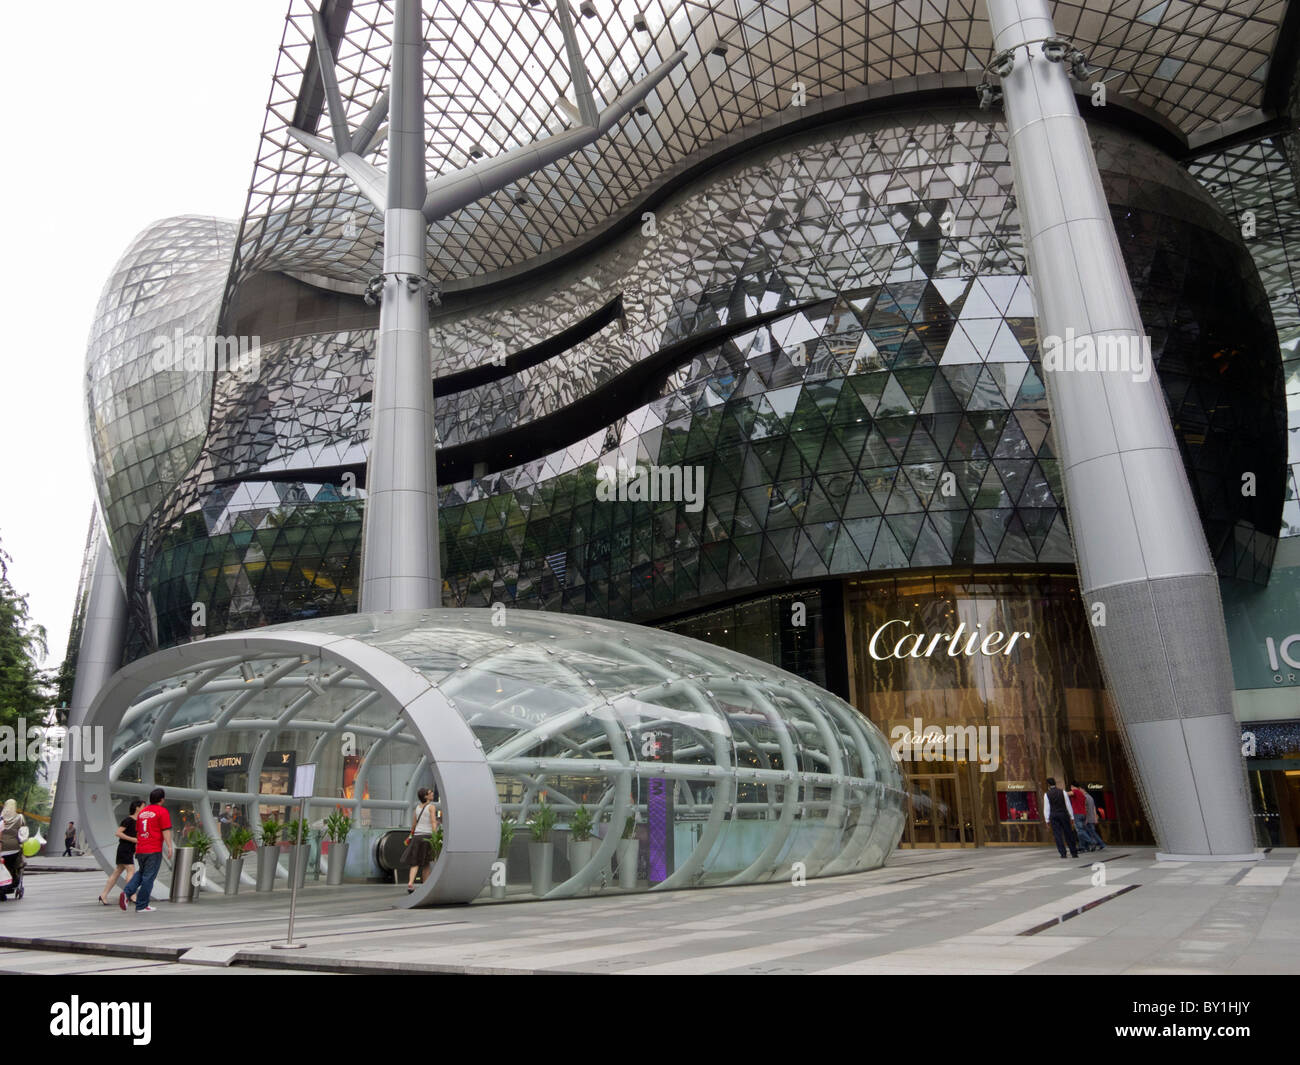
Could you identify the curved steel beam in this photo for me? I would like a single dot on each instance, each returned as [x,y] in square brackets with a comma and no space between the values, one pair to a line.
[466,782]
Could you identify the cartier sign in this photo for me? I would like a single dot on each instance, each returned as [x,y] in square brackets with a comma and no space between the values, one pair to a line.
[892,641]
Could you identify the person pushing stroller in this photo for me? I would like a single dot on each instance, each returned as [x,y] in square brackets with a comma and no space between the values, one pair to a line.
[13,833]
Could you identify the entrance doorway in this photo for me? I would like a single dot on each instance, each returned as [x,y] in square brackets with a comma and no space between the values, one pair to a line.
[940,813]
[1275,796]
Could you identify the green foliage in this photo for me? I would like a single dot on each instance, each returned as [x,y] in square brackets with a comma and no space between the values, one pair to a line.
[337,826]
[629,828]
[580,825]
[435,842]
[25,691]
[200,841]
[507,834]
[38,802]
[271,829]
[542,821]
[298,831]
[237,839]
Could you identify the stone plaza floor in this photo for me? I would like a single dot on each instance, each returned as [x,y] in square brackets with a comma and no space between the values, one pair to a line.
[988,911]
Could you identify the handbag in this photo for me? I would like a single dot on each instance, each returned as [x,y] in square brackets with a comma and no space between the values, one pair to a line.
[410,836]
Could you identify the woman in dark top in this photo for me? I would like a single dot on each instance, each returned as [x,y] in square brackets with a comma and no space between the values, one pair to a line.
[125,849]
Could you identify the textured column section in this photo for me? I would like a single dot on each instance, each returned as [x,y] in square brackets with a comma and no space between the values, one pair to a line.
[102,635]
[1141,551]
[399,556]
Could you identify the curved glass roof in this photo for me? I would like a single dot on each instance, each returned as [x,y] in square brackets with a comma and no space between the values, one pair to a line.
[726,769]
[147,424]
[496,77]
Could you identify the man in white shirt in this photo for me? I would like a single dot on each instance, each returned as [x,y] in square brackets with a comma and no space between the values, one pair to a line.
[1057,814]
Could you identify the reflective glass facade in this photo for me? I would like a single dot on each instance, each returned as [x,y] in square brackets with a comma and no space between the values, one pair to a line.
[846,350]
[147,426]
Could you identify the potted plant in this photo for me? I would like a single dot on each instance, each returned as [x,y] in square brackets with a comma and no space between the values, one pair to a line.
[268,855]
[297,833]
[237,839]
[541,849]
[580,841]
[629,848]
[508,827]
[337,827]
[187,868]
[435,846]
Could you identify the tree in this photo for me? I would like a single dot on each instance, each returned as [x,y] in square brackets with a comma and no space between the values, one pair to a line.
[25,689]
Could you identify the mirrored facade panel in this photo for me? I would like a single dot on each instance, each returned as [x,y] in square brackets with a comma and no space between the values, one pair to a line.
[150,366]
[836,371]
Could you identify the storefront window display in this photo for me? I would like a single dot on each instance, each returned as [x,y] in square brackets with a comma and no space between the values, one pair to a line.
[986,683]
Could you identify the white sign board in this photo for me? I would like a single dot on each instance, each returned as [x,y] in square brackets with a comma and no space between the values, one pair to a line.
[304,781]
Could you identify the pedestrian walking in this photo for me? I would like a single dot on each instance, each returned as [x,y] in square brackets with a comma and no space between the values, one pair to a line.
[69,839]
[13,833]
[1056,812]
[419,844]
[125,850]
[1087,821]
[1078,809]
[153,834]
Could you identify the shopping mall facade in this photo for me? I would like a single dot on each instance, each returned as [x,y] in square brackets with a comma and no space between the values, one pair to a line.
[792,290]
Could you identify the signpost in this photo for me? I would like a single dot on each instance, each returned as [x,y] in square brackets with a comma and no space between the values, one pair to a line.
[304,784]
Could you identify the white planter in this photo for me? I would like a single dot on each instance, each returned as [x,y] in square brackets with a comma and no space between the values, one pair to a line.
[541,856]
[338,860]
[268,859]
[628,851]
[183,889]
[580,853]
[234,870]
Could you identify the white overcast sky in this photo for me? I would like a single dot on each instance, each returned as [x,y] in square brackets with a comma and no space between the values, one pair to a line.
[115,115]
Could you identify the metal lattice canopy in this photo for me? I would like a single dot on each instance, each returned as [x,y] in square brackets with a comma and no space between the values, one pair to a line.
[496,77]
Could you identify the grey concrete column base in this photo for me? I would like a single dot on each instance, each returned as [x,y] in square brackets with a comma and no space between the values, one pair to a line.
[1255,856]
[1164,652]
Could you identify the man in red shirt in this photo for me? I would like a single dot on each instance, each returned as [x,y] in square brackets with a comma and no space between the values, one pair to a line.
[1079,805]
[153,830]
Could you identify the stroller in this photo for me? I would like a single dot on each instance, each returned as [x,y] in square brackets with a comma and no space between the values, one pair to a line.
[14,864]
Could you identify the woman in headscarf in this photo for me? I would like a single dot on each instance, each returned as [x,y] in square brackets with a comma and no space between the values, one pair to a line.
[13,830]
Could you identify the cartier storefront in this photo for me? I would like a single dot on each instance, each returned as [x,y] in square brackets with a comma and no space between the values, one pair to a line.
[986,683]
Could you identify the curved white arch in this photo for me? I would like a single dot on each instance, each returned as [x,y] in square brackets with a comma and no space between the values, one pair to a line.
[455,755]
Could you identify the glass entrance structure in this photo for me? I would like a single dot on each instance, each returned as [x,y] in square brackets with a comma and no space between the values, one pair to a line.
[694,765]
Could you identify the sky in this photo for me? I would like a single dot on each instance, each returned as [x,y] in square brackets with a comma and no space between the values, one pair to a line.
[115,115]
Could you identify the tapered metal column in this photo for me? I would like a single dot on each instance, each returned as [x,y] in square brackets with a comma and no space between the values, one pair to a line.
[102,634]
[1138,539]
[399,547]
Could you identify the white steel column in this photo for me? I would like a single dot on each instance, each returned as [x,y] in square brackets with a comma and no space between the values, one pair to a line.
[400,563]
[399,554]
[102,634]
[1140,547]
